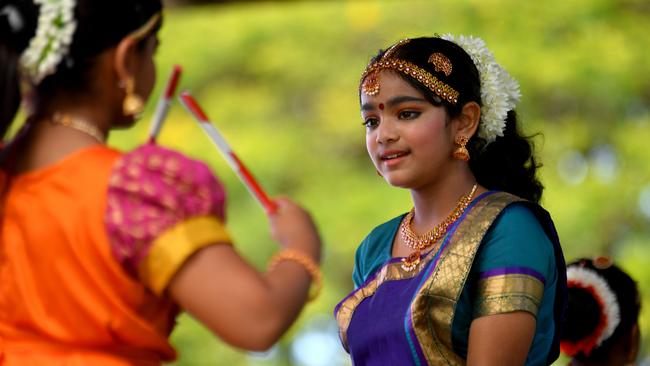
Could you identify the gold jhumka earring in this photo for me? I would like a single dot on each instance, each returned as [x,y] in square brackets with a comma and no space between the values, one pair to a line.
[133,104]
[461,152]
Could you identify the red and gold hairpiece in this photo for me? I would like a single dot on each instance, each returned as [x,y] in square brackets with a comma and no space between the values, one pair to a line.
[370,79]
[440,63]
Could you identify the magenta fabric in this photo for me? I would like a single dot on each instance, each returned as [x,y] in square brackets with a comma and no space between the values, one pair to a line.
[151,189]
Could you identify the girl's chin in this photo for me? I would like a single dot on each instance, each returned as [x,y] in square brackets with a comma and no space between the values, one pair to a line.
[396,180]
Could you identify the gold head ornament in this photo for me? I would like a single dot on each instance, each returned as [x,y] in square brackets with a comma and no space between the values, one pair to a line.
[370,83]
[440,63]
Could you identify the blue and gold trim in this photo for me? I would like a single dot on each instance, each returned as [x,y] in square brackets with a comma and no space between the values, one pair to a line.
[507,290]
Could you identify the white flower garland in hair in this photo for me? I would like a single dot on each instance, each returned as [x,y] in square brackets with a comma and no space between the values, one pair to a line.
[584,278]
[56,26]
[499,91]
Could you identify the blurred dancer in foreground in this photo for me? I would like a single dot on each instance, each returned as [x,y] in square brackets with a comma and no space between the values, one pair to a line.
[101,249]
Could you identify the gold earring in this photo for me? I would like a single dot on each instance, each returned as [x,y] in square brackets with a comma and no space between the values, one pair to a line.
[133,104]
[461,152]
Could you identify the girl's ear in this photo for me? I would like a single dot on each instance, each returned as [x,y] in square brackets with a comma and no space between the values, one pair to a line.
[124,60]
[466,123]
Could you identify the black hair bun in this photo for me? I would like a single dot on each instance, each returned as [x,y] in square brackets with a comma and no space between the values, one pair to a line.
[583,314]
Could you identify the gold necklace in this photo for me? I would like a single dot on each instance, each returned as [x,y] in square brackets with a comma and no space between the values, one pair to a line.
[79,125]
[421,242]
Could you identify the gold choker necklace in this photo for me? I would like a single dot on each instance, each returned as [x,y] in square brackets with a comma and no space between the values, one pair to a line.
[78,124]
[421,242]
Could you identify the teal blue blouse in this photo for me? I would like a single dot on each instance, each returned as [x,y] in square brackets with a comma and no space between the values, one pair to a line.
[515,239]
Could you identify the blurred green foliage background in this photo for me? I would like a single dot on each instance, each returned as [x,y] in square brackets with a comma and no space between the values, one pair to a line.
[280,80]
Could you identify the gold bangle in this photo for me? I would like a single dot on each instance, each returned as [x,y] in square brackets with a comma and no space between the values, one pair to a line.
[306,262]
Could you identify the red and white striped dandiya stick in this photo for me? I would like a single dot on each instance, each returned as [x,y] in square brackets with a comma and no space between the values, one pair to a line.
[233,160]
[164,103]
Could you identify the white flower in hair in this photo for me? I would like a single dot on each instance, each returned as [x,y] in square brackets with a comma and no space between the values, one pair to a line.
[499,91]
[610,312]
[54,32]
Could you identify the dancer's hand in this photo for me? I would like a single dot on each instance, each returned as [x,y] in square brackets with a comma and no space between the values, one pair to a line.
[293,227]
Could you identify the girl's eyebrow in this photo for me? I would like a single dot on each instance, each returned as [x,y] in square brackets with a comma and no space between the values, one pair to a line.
[393,102]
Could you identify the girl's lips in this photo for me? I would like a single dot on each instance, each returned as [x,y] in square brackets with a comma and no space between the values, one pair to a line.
[392,158]
[392,154]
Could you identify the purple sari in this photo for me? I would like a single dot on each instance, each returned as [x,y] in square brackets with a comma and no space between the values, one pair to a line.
[405,318]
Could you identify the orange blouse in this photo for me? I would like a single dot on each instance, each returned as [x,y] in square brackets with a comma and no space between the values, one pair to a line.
[70,291]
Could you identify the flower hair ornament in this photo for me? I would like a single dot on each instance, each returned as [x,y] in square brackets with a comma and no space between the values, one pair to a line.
[610,315]
[499,91]
[54,32]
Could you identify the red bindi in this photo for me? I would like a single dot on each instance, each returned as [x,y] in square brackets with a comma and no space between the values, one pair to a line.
[381,106]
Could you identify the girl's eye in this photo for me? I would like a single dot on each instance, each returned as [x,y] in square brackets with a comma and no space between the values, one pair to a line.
[408,114]
[370,122]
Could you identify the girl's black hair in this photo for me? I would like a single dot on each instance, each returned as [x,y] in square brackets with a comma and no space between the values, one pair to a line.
[583,315]
[508,163]
[101,24]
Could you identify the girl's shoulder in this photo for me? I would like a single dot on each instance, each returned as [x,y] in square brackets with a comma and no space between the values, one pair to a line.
[375,249]
[517,239]
[156,193]
[159,172]
[153,178]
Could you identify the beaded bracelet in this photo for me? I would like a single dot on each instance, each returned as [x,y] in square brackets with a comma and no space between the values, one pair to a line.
[306,262]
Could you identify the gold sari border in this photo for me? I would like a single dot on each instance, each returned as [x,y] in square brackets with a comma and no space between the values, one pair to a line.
[508,293]
[432,312]
[506,304]
[345,309]
[391,271]
[174,246]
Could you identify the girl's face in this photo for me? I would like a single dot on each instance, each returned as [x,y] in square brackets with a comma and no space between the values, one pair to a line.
[408,138]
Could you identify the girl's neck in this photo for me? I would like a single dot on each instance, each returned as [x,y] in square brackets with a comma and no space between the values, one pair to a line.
[47,142]
[95,112]
[434,202]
